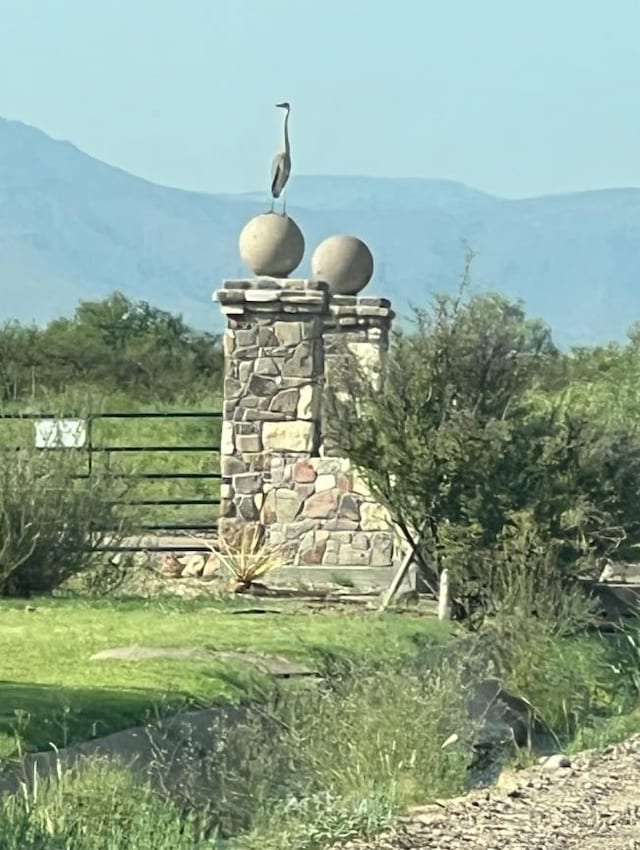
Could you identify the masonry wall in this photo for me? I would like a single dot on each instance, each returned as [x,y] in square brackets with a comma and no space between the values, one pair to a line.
[277,465]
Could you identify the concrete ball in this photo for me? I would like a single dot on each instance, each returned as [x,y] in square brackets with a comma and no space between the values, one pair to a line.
[271,245]
[345,263]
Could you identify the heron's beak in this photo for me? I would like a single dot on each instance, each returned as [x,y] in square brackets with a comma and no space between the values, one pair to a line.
[280,105]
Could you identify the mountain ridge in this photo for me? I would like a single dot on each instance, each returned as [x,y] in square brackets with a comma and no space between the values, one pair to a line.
[74,227]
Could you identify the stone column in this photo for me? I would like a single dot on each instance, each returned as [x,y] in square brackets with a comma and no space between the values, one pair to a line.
[319,502]
[274,366]
[280,336]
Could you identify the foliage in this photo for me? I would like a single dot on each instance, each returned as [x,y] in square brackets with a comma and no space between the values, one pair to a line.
[452,438]
[571,682]
[98,808]
[248,557]
[49,521]
[113,345]
[328,763]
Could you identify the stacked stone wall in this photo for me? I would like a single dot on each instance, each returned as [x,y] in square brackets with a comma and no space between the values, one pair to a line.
[281,339]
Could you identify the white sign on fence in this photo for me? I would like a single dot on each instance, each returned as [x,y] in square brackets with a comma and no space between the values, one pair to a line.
[60,433]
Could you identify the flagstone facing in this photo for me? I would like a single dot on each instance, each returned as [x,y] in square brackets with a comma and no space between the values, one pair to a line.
[278,468]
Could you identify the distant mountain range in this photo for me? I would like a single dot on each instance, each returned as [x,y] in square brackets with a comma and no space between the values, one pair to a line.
[72,227]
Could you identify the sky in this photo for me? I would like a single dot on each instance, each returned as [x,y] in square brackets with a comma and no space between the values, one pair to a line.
[514,97]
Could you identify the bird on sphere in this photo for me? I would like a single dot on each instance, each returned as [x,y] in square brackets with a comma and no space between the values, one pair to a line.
[281,167]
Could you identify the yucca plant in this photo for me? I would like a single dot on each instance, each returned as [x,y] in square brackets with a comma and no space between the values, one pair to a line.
[247,557]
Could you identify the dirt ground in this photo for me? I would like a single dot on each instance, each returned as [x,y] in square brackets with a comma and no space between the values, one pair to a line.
[593,805]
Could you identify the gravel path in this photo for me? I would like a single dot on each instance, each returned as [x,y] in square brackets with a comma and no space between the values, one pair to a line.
[594,804]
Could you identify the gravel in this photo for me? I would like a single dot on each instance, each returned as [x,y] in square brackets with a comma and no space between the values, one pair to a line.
[591,802]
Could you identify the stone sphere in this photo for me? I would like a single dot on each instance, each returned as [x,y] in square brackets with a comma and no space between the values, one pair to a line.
[343,262]
[272,245]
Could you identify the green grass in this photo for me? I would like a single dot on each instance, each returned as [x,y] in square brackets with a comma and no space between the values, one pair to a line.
[51,693]
[310,767]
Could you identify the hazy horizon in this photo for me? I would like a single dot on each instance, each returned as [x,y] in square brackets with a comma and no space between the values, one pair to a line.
[329,176]
[518,99]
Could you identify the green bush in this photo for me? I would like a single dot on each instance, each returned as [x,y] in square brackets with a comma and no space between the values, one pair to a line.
[467,459]
[571,679]
[47,519]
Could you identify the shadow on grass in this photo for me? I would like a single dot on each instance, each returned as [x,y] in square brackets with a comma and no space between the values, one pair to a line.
[33,716]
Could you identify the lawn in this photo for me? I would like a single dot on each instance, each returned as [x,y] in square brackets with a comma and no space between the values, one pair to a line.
[51,693]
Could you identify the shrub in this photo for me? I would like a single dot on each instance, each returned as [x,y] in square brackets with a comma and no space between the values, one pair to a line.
[47,520]
[451,440]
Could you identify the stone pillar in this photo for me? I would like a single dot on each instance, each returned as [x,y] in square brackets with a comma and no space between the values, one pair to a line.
[350,529]
[280,336]
[272,389]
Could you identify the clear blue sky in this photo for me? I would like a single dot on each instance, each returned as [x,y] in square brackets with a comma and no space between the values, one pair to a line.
[516,97]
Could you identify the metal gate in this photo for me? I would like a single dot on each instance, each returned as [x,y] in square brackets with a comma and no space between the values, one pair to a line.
[83,435]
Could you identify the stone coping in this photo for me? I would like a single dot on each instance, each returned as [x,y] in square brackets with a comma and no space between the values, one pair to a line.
[276,283]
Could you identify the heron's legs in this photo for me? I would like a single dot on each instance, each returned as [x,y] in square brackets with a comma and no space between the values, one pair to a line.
[284,202]
[273,203]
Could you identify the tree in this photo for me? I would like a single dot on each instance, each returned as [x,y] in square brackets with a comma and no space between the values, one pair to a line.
[113,345]
[453,439]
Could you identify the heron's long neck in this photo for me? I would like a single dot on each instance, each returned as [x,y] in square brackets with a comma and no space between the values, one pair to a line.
[287,149]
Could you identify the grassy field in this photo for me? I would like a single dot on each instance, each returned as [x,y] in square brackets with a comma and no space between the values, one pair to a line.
[50,692]
[121,433]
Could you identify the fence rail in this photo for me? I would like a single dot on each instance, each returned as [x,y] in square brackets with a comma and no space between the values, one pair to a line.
[104,451]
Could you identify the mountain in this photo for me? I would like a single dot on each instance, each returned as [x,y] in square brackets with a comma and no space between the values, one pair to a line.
[72,227]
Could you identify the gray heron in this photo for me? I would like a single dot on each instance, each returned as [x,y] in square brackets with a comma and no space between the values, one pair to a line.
[281,167]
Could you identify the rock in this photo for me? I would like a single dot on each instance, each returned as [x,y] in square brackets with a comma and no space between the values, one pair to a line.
[288,333]
[300,363]
[313,555]
[232,466]
[226,440]
[248,483]
[288,436]
[309,403]
[261,386]
[350,557]
[248,443]
[287,505]
[266,366]
[304,473]
[194,566]
[374,517]
[170,566]
[325,482]
[556,762]
[349,508]
[285,401]
[321,505]
[247,508]
[211,567]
